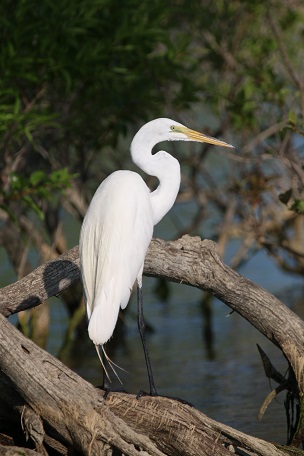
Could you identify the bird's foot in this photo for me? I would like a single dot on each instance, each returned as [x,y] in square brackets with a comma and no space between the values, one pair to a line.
[107,390]
[142,393]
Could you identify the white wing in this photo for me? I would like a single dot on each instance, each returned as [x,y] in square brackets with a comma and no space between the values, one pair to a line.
[114,239]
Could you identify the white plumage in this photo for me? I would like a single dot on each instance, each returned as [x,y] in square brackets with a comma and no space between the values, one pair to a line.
[118,227]
[115,236]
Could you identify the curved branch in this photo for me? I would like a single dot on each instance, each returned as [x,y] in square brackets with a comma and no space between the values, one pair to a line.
[190,261]
[75,414]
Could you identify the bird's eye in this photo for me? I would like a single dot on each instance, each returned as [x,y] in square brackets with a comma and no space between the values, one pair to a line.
[172,127]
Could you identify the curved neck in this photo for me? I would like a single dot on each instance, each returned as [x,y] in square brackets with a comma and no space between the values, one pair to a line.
[163,166]
[141,153]
[163,198]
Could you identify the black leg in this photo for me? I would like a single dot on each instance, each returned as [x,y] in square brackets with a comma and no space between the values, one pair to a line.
[141,328]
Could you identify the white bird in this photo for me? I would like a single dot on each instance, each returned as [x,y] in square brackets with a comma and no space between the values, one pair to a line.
[118,227]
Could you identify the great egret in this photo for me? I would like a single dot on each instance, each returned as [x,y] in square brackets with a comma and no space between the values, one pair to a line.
[118,228]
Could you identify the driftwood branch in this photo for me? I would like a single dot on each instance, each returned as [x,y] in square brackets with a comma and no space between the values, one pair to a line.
[67,409]
[189,261]
[73,413]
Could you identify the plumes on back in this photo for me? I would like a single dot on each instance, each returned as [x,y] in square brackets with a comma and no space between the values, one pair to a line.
[114,239]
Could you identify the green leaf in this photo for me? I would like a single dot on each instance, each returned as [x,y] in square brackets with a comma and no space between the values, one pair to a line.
[37,177]
[33,205]
[16,181]
[298,206]
[17,105]
[292,118]
[61,178]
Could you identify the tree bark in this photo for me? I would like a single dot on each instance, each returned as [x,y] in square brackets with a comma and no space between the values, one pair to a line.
[61,407]
[75,414]
[189,261]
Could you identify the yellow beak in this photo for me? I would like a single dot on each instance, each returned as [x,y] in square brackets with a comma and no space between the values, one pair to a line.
[200,137]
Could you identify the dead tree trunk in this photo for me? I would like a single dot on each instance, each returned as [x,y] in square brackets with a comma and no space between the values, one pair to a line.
[59,411]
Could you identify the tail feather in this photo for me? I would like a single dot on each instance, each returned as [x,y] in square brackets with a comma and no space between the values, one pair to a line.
[102,323]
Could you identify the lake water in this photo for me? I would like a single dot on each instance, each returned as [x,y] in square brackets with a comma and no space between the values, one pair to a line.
[226,381]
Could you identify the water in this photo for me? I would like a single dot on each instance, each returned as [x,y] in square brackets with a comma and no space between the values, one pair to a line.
[227,383]
[230,386]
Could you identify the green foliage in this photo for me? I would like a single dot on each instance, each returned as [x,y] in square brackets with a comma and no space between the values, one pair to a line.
[75,75]
[250,60]
[295,123]
[78,75]
[298,206]
[31,191]
[101,60]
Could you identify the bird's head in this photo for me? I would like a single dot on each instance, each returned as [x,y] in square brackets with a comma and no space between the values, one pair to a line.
[163,129]
[181,133]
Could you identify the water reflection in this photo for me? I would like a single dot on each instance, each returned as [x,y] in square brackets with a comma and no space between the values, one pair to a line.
[230,386]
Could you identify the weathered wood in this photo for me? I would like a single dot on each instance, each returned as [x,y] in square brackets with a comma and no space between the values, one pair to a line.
[190,261]
[17,451]
[70,408]
[75,413]
[47,280]
[192,431]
